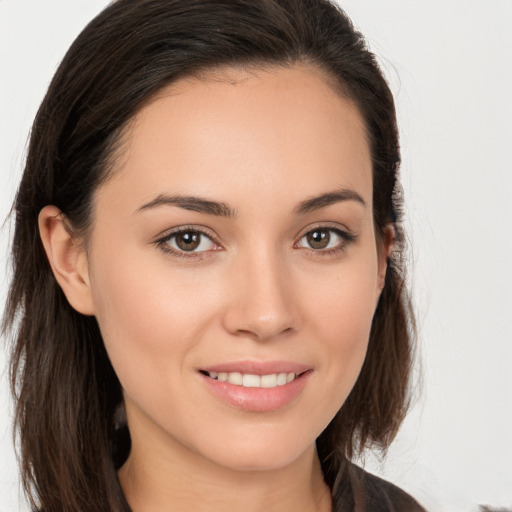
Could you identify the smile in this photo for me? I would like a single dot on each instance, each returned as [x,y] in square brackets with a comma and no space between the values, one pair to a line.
[257,386]
[254,392]
[248,380]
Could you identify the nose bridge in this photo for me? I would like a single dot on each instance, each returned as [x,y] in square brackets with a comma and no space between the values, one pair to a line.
[262,305]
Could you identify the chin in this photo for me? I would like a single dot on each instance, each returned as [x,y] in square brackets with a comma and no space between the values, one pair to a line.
[260,454]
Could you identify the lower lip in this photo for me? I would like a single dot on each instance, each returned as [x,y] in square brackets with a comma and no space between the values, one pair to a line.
[257,399]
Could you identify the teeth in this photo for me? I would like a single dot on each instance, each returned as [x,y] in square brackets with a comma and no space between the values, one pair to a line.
[235,378]
[251,381]
[269,381]
[281,378]
[254,381]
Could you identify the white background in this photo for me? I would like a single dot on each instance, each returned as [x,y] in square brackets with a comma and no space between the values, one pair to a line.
[450,66]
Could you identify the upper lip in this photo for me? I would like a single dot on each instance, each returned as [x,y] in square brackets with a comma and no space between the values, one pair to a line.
[258,367]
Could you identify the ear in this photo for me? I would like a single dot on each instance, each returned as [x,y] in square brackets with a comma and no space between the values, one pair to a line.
[67,258]
[384,253]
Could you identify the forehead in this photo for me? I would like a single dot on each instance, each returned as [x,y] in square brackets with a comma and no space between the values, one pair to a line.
[269,130]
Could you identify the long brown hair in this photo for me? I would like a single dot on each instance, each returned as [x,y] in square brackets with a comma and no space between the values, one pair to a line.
[67,394]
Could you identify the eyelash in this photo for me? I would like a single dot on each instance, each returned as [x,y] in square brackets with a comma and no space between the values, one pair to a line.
[163,243]
[345,236]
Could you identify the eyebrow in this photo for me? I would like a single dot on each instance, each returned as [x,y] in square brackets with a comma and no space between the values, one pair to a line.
[327,199]
[195,204]
[219,209]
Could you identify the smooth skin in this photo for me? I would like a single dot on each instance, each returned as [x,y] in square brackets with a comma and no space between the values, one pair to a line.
[267,174]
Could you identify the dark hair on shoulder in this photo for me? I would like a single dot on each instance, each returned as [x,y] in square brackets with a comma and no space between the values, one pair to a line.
[70,440]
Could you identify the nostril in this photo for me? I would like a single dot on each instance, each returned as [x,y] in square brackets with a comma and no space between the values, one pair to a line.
[264,333]
[260,316]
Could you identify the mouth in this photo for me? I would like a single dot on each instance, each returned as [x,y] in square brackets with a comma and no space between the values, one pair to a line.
[248,380]
[257,386]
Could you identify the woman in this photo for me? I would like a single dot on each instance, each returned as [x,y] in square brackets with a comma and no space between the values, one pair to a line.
[212,312]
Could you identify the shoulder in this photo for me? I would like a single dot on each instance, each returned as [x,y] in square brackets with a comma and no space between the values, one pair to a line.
[371,493]
[383,496]
[378,495]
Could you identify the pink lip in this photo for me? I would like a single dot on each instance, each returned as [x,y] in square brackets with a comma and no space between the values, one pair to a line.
[258,399]
[258,367]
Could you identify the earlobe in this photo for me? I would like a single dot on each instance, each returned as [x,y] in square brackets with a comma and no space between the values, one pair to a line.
[67,258]
[384,254]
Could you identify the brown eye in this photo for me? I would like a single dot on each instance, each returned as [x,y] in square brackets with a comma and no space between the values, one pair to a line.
[189,241]
[319,238]
[325,240]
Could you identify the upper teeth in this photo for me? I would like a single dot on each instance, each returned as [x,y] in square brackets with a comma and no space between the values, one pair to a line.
[254,381]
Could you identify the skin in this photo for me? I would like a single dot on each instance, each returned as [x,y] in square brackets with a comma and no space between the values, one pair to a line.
[261,143]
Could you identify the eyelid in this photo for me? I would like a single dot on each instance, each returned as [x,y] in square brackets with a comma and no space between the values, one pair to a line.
[346,234]
[334,226]
[184,228]
[162,239]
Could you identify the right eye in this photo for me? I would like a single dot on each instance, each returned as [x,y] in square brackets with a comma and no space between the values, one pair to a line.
[187,243]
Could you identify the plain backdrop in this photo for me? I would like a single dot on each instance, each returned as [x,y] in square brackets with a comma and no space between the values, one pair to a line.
[450,67]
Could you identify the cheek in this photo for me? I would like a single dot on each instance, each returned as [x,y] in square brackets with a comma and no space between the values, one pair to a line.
[343,301]
[340,311]
[147,314]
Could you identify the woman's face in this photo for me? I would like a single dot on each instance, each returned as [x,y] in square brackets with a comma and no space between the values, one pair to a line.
[236,241]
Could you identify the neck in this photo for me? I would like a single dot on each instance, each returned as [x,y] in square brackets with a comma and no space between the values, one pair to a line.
[156,481]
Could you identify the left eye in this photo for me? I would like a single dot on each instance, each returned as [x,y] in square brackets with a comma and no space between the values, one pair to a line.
[190,241]
[321,238]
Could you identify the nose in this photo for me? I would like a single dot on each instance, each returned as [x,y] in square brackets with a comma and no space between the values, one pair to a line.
[262,305]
